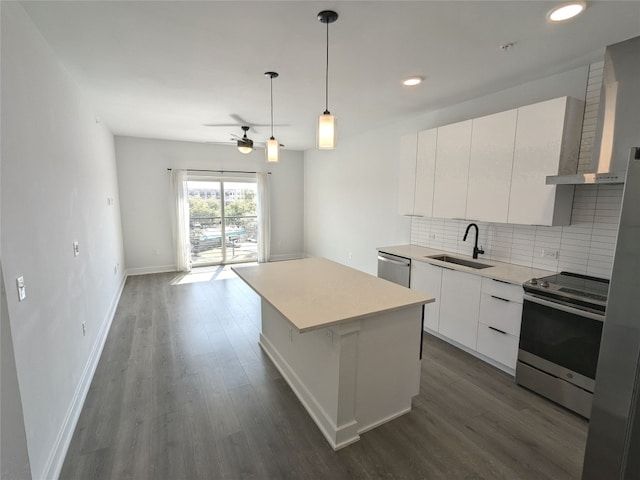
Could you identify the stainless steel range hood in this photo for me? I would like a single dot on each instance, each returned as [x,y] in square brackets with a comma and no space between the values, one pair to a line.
[618,124]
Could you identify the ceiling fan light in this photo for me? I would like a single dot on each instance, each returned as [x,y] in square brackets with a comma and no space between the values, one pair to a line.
[272,150]
[326,131]
[245,147]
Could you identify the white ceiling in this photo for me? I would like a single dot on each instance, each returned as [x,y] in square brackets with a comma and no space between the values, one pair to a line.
[162,69]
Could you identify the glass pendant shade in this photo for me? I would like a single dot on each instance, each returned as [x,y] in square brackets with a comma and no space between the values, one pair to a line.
[245,149]
[326,131]
[272,150]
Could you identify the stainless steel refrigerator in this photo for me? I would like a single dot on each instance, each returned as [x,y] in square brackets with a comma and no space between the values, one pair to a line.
[613,443]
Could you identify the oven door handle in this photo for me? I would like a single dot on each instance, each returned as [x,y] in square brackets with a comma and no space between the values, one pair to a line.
[564,308]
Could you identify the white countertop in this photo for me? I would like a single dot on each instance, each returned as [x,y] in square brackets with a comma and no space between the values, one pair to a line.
[507,272]
[313,293]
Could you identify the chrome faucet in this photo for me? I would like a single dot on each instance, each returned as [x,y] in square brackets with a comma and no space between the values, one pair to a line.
[476,250]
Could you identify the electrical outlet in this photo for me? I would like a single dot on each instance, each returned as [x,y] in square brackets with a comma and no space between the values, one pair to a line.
[549,253]
[350,256]
[432,236]
[76,249]
[22,293]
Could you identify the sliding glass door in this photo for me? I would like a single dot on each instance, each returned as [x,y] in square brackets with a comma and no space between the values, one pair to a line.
[223,221]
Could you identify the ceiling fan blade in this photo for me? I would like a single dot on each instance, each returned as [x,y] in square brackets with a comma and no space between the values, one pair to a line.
[220,125]
[242,121]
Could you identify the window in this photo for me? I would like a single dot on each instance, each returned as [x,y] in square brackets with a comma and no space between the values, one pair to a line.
[223,221]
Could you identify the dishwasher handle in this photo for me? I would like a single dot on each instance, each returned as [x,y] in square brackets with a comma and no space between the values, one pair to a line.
[405,263]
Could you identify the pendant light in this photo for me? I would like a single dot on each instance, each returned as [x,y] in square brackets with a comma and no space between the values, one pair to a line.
[326,121]
[272,145]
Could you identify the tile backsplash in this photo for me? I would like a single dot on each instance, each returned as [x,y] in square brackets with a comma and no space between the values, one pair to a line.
[585,246]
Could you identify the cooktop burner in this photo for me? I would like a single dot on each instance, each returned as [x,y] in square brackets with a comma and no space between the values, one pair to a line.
[571,288]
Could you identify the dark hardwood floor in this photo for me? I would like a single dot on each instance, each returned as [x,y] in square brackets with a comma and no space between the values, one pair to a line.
[183,391]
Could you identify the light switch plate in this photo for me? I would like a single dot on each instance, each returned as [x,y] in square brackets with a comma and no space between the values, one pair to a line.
[22,293]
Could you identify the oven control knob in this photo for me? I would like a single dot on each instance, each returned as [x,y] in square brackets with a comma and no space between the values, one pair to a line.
[544,284]
[533,281]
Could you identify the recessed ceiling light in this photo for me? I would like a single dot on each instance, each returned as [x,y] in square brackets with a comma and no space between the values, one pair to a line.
[566,11]
[412,81]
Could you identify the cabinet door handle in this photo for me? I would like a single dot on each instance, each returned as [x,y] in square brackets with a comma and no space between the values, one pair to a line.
[499,331]
[501,281]
[500,298]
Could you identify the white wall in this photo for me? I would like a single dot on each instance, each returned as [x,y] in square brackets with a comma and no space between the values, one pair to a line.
[351,192]
[58,169]
[350,201]
[14,455]
[145,196]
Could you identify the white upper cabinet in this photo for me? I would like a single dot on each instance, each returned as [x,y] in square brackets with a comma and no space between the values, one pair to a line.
[491,159]
[547,143]
[494,168]
[417,168]
[407,174]
[452,170]
[425,172]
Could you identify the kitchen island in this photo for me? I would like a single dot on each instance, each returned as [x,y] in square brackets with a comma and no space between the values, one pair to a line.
[348,343]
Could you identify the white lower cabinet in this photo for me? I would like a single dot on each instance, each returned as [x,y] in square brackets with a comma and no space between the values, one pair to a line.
[480,313]
[499,346]
[427,278]
[459,304]
[499,321]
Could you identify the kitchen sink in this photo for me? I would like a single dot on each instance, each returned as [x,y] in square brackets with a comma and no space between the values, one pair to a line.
[459,261]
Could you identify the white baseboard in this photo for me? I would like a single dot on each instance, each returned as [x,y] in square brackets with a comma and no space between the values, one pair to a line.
[61,446]
[484,358]
[148,270]
[286,256]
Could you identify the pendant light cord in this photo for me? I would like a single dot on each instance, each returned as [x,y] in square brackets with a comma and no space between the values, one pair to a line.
[271,107]
[326,79]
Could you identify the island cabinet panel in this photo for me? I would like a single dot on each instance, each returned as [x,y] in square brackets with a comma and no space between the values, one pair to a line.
[459,306]
[351,377]
[546,143]
[490,162]
[407,174]
[452,170]
[427,278]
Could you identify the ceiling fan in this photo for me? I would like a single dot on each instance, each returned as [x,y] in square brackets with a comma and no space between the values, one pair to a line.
[244,143]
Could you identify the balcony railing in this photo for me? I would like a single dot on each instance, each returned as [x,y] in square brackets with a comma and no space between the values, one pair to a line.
[240,240]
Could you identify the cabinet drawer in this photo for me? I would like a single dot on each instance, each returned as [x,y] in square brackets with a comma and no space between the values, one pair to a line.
[508,291]
[502,314]
[501,347]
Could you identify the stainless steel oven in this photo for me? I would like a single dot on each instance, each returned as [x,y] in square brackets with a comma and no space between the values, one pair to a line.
[562,320]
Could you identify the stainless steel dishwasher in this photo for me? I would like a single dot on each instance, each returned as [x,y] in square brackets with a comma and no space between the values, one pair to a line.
[394,268]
